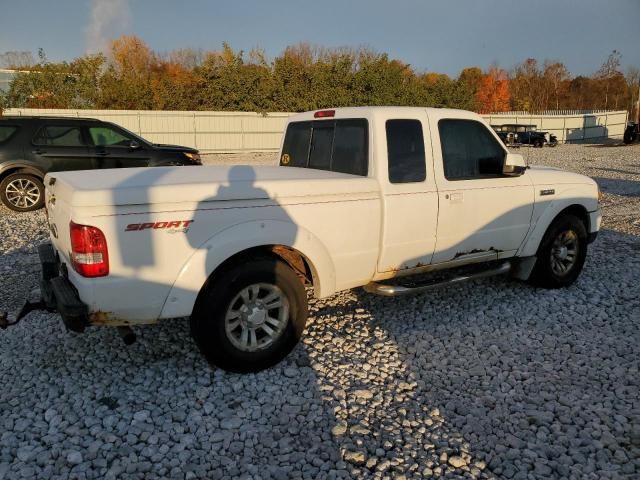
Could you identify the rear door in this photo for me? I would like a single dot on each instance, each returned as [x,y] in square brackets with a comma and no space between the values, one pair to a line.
[61,145]
[410,197]
[112,147]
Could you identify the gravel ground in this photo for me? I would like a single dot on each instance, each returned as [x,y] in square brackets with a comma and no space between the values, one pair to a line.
[492,379]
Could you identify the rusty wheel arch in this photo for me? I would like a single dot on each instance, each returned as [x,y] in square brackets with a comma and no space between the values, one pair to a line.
[292,257]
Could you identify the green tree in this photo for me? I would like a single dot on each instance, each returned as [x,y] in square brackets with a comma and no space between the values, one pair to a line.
[226,82]
[58,85]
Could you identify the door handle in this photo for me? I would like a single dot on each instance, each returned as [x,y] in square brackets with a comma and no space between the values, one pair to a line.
[455,197]
[38,151]
[102,154]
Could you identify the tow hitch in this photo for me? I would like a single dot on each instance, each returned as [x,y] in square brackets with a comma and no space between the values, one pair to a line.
[56,294]
[24,311]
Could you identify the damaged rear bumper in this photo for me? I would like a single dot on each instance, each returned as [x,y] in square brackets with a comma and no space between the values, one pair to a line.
[58,294]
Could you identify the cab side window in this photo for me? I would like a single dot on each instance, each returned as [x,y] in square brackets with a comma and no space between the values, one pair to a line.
[405,151]
[469,150]
[59,136]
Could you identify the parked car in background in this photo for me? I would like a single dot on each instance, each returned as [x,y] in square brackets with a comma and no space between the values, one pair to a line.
[31,147]
[632,133]
[516,135]
[509,138]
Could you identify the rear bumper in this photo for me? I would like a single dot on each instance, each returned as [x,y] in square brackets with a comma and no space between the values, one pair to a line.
[58,293]
[595,221]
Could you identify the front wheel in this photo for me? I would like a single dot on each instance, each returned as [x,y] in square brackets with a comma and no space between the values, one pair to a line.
[22,192]
[561,254]
[250,316]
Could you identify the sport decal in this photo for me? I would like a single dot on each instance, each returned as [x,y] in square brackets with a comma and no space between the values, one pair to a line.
[171,226]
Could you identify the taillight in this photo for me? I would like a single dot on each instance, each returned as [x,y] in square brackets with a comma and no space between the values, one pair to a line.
[89,254]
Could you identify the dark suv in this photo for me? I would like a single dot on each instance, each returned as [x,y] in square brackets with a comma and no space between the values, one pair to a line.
[32,146]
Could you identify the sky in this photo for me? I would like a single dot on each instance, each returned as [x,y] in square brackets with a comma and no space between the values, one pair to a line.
[442,36]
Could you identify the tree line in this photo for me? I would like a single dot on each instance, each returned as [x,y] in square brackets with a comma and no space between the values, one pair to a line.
[129,75]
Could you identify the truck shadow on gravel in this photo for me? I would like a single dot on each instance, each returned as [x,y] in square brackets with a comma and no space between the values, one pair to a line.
[616,186]
[491,379]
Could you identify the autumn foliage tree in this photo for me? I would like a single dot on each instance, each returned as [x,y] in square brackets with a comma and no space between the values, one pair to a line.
[493,91]
[126,84]
[130,75]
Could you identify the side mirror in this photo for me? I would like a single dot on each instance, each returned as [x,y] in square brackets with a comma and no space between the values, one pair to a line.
[133,145]
[514,165]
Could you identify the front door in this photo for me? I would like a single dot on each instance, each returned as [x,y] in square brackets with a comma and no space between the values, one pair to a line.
[112,147]
[482,213]
[61,146]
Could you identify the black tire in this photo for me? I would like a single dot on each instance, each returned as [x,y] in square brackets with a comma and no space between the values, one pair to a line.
[629,136]
[221,295]
[539,144]
[13,197]
[545,272]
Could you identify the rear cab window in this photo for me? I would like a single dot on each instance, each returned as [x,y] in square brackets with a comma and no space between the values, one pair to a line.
[6,132]
[336,145]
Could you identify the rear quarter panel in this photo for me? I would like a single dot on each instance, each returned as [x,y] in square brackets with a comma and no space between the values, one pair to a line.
[157,271]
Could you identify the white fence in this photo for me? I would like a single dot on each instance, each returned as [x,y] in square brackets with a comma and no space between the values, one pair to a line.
[206,131]
[254,132]
[569,127]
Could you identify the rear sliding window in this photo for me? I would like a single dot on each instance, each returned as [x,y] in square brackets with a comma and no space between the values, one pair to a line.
[6,132]
[335,145]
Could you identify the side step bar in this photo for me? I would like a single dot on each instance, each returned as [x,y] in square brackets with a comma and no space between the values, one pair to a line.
[398,290]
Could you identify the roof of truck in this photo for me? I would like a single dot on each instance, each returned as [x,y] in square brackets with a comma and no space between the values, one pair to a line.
[347,112]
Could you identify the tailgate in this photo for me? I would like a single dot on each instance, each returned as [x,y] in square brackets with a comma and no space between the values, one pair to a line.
[58,205]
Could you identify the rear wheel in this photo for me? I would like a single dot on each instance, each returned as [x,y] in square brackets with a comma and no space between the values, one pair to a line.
[251,316]
[22,192]
[561,253]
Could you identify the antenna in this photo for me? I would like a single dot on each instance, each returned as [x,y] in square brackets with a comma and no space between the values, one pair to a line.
[638,104]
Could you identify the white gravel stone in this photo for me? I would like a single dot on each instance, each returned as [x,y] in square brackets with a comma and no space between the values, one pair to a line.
[457,462]
[74,458]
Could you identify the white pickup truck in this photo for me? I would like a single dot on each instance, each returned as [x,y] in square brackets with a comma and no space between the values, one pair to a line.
[362,197]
